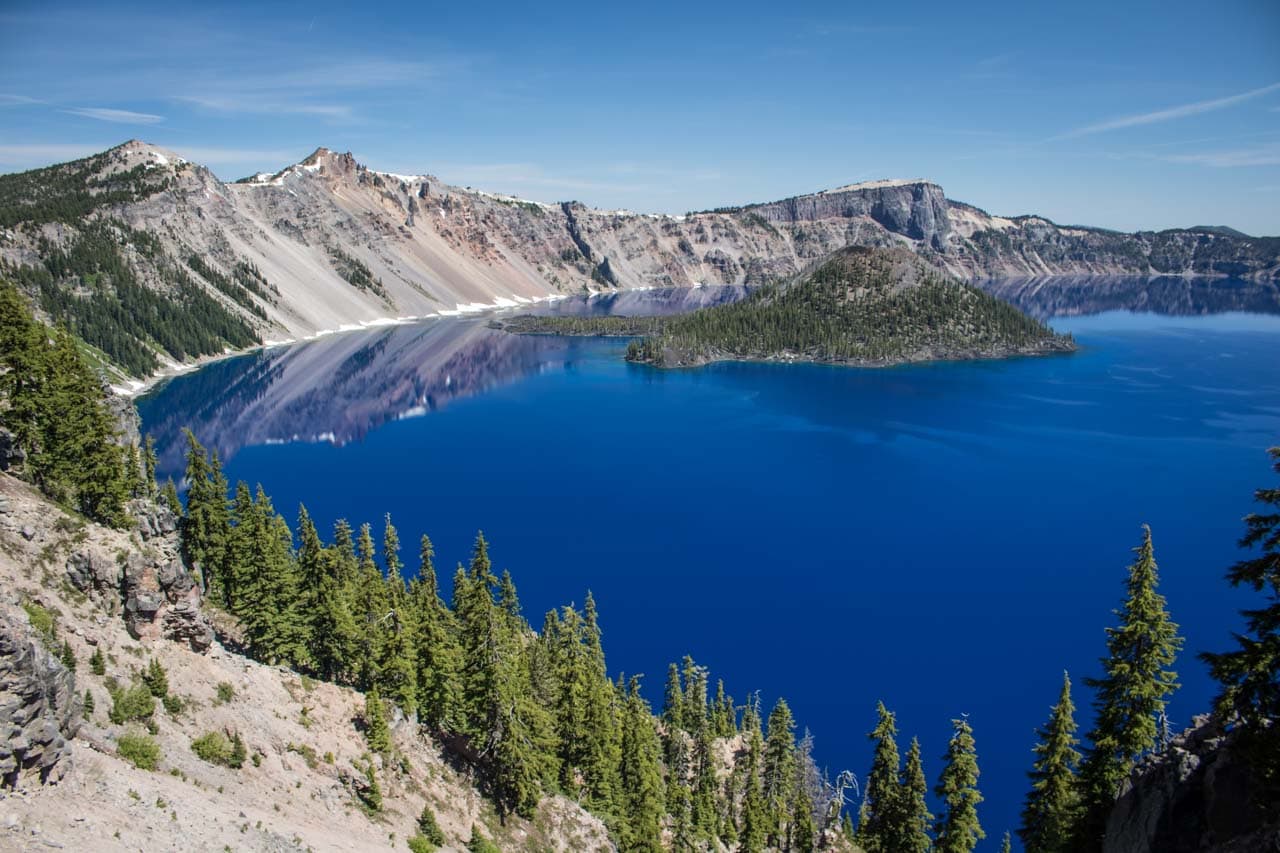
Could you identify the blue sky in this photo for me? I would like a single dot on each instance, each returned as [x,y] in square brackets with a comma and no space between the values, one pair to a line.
[1127,115]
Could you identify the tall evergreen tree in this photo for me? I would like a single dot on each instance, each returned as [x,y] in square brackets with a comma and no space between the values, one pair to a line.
[1131,694]
[206,529]
[1052,806]
[438,655]
[275,626]
[672,714]
[778,783]
[958,829]
[640,781]
[325,609]
[371,611]
[397,663]
[879,824]
[1250,673]
[755,816]
[916,820]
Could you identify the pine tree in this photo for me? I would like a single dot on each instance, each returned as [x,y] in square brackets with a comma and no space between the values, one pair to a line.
[371,611]
[1250,673]
[88,705]
[878,818]
[68,656]
[916,820]
[376,732]
[755,818]
[602,726]
[510,731]
[156,679]
[267,584]
[149,462]
[672,715]
[1006,843]
[438,656]
[702,805]
[724,719]
[324,608]
[778,784]
[205,525]
[958,829]
[1131,694]
[238,752]
[97,662]
[1051,810]
[640,782]
[397,664]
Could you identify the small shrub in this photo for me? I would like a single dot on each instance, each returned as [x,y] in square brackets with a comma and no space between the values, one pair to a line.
[132,703]
[88,704]
[328,757]
[428,827]
[98,663]
[42,621]
[213,747]
[156,679]
[371,794]
[142,751]
[68,657]
[307,752]
[420,844]
[173,704]
[226,692]
[480,844]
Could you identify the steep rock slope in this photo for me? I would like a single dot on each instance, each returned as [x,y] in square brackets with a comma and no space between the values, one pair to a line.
[298,791]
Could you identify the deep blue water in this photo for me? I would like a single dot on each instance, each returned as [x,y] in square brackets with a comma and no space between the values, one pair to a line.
[948,538]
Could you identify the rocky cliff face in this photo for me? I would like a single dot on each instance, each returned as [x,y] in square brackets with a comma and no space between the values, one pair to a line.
[1195,796]
[39,708]
[335,244]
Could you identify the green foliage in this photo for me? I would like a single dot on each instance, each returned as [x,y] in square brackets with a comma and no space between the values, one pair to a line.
[156,679]
[879,825]
[68,192]
[67,656]
[861,305]
[131,703]
[421,844]
[478,843]
[428,828]
[914,816]
[216,748]
[640,781]
[371,794]
[1250,673]
[58,412]
[355,272]
[43,623]
[173,704]
[88,704]
[224,692]
[91,286]
[98,662]
[1052,806]
[139,749]
[1132,693]
[958,829]
[376,733]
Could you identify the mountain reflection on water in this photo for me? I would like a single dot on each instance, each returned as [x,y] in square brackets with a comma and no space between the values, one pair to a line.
[339,387]
[1072,296]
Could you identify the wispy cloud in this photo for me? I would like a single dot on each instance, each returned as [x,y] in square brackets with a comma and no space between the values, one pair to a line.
[17,100]
[116,116]
[1169,114]
[1262,155]
[259,104]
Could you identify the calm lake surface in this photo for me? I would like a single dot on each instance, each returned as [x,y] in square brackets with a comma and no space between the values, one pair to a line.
[948,538]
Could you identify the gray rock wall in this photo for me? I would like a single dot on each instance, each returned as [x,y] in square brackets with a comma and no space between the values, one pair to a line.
[39,708]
